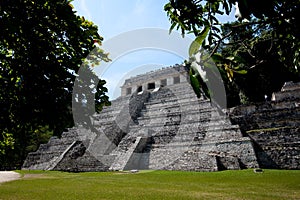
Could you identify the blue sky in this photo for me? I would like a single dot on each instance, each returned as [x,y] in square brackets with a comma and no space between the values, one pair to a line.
[116,16]
[147,47]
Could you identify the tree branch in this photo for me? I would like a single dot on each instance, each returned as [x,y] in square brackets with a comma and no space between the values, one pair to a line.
[248,50]
[217,45]
[258,63]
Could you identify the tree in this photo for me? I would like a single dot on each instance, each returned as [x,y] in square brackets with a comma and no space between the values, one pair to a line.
[266,33]
[42,46]
[258,56]
[6,142]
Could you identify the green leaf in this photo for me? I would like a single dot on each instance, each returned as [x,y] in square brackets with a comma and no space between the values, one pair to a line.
[172,27]
[231,58]
[241,72]
[217,57]
[195,83]
[239,59]
[196,44]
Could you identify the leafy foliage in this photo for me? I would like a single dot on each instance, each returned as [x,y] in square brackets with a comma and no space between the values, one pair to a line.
[6,142]
[261,47]
[42,46]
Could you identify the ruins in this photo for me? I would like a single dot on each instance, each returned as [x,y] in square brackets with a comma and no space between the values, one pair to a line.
[159,123]
[274,128]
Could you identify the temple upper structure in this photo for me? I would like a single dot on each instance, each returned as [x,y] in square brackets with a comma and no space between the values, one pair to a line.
[155,79]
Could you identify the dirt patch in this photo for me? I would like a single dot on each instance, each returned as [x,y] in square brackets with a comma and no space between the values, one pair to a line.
[6,176]
[30,176]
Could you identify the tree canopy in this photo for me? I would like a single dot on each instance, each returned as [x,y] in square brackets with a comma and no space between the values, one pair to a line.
[43,43]
[255,54]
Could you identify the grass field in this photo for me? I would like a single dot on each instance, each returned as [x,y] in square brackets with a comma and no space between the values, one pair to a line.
[243,184]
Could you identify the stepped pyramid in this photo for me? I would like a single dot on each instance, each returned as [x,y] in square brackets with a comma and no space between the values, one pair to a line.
[156,123]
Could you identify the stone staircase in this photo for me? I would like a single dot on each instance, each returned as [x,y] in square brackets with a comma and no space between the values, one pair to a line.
[82,149]
[274,128]
[50,154]
[182,133]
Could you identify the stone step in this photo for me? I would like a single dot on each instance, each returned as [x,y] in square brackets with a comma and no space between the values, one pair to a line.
[213,135]
[174,101]
[115,107]
[275,136]
[55,147]
[195,125]
[283,146]
[109,111]
[269,119]
[266,110]
[104,119]
[116,104]
[41,157]
[103,124]
[110,114]
[189,118]
[178,107]
[202,146]
[295,122]
[169,94]
[191,134]
[276,113]
[190,115]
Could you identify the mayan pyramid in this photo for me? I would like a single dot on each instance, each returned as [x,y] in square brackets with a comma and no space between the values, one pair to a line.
[157,123]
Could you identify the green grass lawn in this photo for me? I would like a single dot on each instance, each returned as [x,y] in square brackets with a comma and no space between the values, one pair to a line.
[243,184]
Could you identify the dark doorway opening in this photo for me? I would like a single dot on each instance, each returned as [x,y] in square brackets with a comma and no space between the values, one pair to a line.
[139,89]
[151,86]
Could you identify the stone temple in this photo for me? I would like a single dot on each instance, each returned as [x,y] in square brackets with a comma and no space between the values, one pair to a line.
[159,123]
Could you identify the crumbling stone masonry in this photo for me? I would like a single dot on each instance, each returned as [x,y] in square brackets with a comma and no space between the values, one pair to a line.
[274,128]
[159,123]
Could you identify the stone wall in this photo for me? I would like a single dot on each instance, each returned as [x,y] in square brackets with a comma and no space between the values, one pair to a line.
[50,154]
[277,148]
[274,128]
[155,79]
